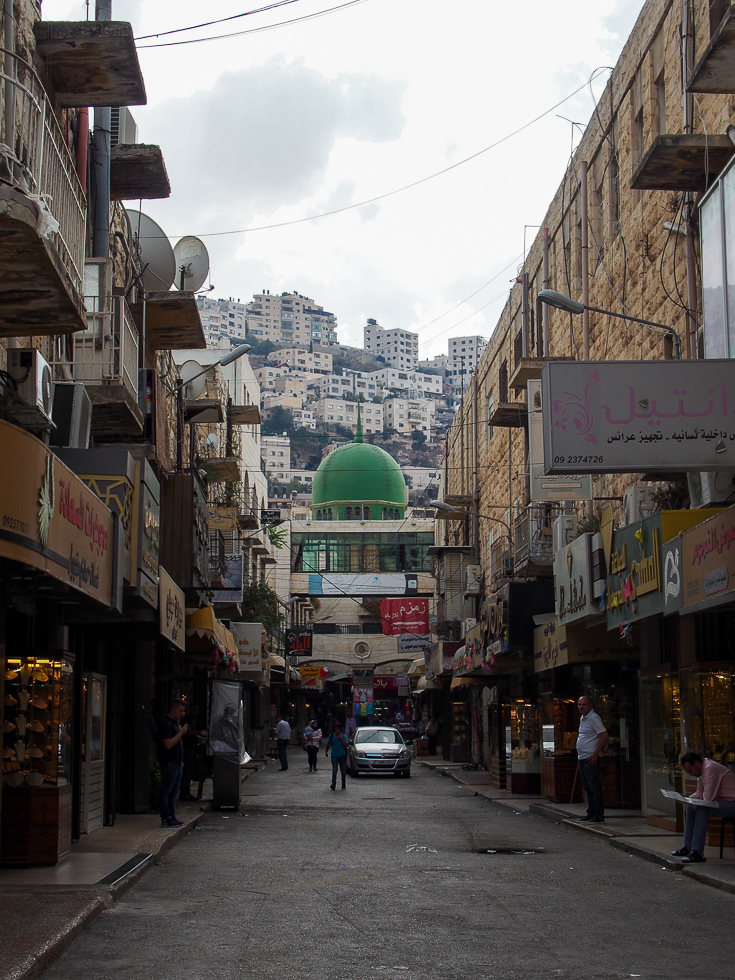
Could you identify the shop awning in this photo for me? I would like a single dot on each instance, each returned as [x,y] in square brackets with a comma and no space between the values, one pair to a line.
[275,661]
[476,680]
[426,684]
[203,625]
[417,668]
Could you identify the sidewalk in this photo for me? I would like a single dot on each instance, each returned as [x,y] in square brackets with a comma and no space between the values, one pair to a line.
[625,830]
[44,909]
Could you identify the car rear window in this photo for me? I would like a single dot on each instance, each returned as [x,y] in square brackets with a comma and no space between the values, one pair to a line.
[386,737]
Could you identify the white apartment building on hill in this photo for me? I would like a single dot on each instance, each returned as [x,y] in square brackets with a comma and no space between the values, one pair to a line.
[414,384]
[400,348]
[439,362]
[318,362]
[290,318]
[349,383]
[222,319]
[275,451]
[464,356]
[407,415]
[334,411]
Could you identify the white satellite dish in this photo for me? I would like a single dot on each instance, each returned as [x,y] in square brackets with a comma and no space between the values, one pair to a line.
[189,370]
[192,263]
[212,441]
[156,254]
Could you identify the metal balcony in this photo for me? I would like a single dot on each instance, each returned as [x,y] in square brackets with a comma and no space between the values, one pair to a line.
[217,563]
[106,360]
[43,213]
[533,539]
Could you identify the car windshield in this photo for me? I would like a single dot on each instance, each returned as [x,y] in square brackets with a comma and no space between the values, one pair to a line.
[383,736]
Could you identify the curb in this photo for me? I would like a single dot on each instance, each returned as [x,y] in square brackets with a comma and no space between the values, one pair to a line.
[37,963]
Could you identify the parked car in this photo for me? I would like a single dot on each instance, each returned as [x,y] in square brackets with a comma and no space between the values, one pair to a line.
[377,749]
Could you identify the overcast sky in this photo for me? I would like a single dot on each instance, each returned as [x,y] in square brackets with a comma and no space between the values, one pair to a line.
[283,124]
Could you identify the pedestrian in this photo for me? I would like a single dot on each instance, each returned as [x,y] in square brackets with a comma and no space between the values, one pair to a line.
[350,727]
[714,782]
[283,734]
[338,745]
[592,739]
[190,740]
[171,756]
[313,741]
[431,731]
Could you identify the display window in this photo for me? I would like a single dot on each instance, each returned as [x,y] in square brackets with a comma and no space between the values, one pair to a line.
[708,712]
[660,738]
[37,723]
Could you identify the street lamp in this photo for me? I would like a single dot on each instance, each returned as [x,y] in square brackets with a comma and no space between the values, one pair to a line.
[457,512]
[561,302]
[228,358]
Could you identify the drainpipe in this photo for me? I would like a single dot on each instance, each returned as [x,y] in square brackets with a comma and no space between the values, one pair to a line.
[687,63]
[585,265]
[82,146]
[475,488]
[547,285]
[102,125]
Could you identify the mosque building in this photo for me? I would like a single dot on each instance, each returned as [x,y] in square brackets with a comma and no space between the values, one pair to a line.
[360,545]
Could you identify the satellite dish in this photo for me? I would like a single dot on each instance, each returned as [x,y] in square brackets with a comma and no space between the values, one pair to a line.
[212,441]
[156,254]
[192,263]
[188,370]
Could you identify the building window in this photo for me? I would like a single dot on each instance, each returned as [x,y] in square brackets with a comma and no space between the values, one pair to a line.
[358,513]
[348,513]
[366,513]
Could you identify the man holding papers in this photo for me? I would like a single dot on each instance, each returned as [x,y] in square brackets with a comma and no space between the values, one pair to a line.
[716,785]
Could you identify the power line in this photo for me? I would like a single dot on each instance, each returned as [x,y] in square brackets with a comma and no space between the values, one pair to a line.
[397,190]
[220,20]
[253,30]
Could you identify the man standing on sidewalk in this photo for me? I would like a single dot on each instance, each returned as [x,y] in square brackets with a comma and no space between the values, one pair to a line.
[171,753]
[283,734]
[592,739]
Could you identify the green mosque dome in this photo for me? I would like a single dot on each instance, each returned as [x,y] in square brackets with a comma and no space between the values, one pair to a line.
[358,482]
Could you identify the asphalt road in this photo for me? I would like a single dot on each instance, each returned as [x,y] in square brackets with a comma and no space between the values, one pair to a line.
[392,878]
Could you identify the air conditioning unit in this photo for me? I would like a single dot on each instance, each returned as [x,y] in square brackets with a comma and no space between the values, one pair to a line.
[638,503]
[564,530]
[72,415]
[711,488]
[123,128]
[473,580]
[32,375]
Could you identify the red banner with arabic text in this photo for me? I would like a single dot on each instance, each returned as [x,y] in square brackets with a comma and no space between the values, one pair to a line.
[402,616]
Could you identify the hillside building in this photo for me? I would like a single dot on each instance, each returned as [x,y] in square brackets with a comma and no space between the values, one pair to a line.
[399,348]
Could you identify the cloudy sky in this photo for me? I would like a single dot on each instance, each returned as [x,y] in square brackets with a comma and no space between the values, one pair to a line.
[274,126]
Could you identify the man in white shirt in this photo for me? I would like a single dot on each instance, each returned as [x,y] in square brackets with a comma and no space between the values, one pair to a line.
[592,739]
[283,734]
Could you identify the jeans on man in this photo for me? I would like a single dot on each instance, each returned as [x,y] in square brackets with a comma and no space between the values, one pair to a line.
[589,774]
[170,783]
[339,762]
[282,752]
[697,820]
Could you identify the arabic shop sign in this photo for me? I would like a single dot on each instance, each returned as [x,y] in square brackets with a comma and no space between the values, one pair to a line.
[299,642]
[50,520]
[578,579]
[671,569]
[362,692]
[708,562]
[635,416]
[405,616]
[555,645]
[171,609]
[634,582]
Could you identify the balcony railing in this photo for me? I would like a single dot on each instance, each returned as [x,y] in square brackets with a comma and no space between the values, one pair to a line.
[534,534]
[217,564]
[39,159]
[348,629]
[106,353]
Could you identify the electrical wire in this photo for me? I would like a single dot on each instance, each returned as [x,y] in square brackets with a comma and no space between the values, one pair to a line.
[220,20]
[397,190]
[253,30]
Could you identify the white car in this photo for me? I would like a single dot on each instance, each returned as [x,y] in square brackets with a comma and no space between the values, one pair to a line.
[377,749]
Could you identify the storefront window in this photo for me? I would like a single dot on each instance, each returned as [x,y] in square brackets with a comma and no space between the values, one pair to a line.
[708,712]
[560,721]
[37,722]
[661,742]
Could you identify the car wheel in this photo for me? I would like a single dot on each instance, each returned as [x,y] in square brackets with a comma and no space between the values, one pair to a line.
[353,773]
[407,774]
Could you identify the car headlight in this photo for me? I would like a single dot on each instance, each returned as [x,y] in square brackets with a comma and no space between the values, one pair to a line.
[360,754]
[404,754]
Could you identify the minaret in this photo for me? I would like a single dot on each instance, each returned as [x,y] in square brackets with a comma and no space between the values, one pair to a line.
[358,430]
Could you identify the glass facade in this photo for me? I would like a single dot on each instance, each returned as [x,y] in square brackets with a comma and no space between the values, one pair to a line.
[362,552]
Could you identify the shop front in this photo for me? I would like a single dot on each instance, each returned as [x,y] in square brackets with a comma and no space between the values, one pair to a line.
[58,551]
[707,662]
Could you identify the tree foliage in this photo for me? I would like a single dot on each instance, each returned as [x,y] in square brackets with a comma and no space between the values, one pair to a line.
[260,605]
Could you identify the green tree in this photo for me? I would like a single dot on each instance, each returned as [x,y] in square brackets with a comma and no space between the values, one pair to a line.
[260,605]
[418,438]
[279,420]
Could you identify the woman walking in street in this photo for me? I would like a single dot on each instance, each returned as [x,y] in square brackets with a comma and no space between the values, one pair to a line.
[312,741]
[336,742]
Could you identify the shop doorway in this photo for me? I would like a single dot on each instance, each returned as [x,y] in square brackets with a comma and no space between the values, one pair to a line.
[94,712]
